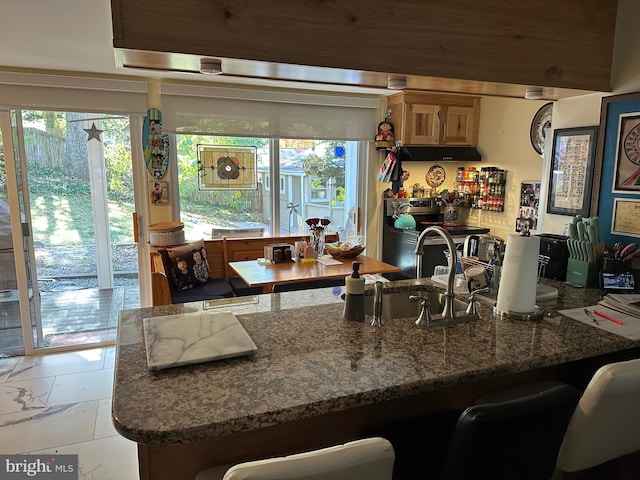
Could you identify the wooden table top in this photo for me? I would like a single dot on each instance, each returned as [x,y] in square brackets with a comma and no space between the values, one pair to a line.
[255,274]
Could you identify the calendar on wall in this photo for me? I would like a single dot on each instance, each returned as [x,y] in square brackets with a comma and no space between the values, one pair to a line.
[223,167]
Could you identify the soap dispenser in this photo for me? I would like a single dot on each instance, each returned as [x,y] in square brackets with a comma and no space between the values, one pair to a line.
[354,298]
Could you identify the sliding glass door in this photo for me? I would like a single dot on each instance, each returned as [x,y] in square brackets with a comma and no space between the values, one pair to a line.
[19,298]
[70,198]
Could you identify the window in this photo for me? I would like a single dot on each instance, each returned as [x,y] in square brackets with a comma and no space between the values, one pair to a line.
[317,188]
[298,135]
[316,180]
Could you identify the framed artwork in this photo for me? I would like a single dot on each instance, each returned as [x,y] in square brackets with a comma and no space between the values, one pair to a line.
[626,217]
[626,176]
[614,166]
[224,167]
[159,192]
[571,176]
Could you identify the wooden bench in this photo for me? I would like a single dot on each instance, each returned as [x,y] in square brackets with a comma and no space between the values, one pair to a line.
[219,253]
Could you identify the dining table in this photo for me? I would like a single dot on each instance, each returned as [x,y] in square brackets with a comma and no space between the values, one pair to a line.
[266,274]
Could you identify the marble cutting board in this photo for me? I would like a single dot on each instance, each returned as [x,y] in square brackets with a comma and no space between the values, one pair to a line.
[175,340]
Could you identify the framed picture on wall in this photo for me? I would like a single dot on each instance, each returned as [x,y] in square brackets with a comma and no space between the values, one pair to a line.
[613,166]
[626,176]
[571,176]
[626,217]
[159,192]
[614,156]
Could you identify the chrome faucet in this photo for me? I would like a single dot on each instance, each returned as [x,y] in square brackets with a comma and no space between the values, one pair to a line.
[448,310]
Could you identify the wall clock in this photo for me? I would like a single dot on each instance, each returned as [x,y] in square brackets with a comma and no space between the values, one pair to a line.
[541,120]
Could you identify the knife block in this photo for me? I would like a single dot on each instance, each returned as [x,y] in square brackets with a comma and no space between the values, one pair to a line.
[582,273]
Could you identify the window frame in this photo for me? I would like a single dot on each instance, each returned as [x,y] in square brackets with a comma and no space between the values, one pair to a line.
[354,154]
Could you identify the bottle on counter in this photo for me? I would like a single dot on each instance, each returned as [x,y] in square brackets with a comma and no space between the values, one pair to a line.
[354,297]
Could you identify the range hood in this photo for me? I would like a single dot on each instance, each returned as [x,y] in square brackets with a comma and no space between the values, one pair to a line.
[443,154]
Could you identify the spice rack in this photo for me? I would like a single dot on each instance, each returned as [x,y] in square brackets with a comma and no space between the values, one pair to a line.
[486,187]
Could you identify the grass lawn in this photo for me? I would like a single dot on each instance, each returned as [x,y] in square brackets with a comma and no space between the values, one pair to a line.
[61,211]
[62,214]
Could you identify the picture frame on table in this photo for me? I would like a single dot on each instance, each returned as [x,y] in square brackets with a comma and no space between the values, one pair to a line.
[572,167]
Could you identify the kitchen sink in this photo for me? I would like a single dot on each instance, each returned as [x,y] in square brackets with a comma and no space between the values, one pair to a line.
[398,305]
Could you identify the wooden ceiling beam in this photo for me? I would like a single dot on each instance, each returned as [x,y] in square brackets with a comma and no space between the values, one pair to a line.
[567,44]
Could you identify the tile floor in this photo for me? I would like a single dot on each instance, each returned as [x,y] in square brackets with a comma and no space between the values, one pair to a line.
[61,403]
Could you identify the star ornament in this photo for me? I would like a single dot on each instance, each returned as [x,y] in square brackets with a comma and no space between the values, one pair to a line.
[93,132]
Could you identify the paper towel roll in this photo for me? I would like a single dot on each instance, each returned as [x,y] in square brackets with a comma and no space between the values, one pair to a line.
[517,291]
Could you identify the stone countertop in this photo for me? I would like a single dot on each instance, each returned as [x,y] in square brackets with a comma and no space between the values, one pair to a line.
[311,362]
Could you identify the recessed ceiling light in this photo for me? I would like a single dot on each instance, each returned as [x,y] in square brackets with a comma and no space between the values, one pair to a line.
[399,83]
[210,66]
[533,93]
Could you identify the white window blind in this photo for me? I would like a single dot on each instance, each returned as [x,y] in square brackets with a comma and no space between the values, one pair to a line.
[66,93]
[199,110]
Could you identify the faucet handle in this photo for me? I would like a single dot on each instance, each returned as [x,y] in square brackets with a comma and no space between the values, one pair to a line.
[418,298]
[424,318]
[472,308]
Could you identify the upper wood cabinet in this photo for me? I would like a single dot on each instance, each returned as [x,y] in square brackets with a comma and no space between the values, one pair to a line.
[433,119]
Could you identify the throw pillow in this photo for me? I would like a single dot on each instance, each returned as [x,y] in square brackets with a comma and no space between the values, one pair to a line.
[186,266]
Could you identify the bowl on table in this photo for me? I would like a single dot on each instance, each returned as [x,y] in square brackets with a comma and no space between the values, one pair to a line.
[341,250]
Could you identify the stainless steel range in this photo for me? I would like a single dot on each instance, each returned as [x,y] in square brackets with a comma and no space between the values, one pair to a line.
[398,244]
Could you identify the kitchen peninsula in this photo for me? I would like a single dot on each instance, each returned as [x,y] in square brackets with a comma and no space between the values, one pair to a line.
[317,380]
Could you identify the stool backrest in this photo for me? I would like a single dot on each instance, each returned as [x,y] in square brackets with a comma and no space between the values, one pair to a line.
[517,438]
[367,459]
[606,422]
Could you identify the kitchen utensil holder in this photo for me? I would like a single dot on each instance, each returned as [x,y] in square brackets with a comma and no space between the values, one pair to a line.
[580,272]
[451,214]
[586,273]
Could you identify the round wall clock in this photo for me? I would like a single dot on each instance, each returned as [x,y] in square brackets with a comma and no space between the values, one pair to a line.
[435,176]
[541,120]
